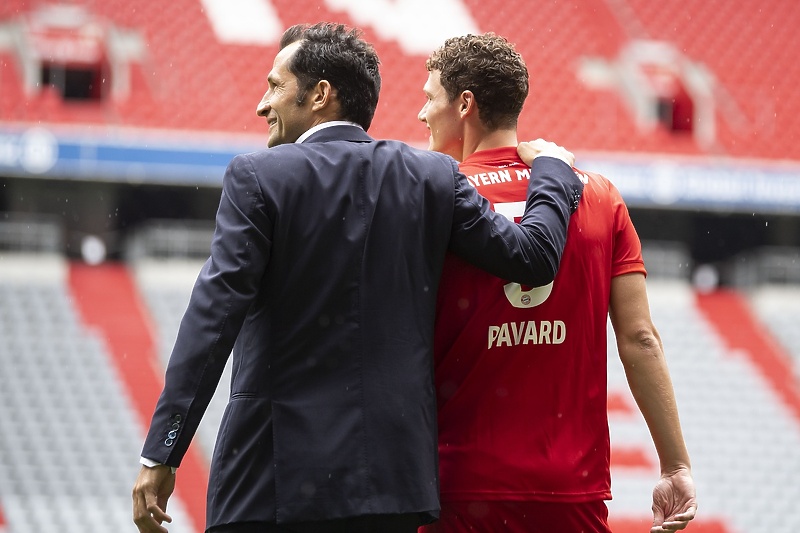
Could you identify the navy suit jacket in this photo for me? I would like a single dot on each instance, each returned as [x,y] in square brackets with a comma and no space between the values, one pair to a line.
[322,279]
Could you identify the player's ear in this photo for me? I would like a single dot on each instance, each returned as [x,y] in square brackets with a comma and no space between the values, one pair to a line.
[467,103]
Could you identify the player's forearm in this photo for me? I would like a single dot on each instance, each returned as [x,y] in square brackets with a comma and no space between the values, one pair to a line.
[651,386]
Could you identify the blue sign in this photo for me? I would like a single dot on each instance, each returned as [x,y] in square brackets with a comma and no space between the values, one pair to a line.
[123,157]
[159,157]
[692,183]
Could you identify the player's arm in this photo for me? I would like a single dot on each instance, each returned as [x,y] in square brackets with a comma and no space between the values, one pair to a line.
[642,355]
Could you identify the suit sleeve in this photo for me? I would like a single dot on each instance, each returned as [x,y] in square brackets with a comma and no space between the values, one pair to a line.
[529,252]
[222,294]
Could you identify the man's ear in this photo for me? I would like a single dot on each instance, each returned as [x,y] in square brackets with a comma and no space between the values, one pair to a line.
[467,103]
[322,95]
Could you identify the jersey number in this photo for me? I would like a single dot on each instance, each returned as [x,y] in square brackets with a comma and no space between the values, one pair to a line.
[514,293]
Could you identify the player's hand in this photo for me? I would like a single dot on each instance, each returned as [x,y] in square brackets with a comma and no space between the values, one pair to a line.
[531,149]
[674,501]
[153,488]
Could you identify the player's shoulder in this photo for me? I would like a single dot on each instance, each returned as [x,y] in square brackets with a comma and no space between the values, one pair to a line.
[599,190]
[587,175]
[596,180]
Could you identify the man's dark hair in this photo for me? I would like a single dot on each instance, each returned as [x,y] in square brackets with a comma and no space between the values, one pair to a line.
[488,66]
[331,52]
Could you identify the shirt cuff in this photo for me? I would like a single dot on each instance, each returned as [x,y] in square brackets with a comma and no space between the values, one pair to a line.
[150,463]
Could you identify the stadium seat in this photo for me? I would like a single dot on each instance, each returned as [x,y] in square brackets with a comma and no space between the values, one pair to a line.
[189,81]
[70,441]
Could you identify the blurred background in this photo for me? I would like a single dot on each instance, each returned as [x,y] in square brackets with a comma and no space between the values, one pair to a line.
[118,118]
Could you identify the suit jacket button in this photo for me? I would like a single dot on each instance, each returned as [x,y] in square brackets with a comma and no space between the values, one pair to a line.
[169,442]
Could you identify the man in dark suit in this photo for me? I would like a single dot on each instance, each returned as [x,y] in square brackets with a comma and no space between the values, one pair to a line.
[322,278]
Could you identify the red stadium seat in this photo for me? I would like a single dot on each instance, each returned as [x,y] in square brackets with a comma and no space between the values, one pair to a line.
[188,80]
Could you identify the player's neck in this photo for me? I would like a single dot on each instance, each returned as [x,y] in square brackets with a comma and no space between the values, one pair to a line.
[487,140]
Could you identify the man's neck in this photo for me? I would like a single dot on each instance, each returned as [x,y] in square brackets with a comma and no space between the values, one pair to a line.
[486,140]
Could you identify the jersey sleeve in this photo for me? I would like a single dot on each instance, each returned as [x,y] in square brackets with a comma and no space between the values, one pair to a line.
[627,255]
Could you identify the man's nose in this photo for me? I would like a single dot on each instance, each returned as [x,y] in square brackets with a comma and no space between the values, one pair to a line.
[263,107]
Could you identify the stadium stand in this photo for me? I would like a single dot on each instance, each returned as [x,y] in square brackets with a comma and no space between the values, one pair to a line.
[778,306]
[744,440]
[181,77]
[30,234]
[656,83]
[666,260]
[166,257]
[69,435]
[166,286]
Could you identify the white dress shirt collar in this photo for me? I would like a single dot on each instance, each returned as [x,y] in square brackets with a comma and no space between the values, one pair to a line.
[324,125]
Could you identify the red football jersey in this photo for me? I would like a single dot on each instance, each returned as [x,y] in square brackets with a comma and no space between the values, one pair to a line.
[521,371]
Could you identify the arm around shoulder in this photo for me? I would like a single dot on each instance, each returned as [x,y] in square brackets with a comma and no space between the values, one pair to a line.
[528,252]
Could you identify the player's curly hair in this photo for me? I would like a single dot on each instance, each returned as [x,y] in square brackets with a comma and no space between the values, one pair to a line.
[332,52]
[490,67]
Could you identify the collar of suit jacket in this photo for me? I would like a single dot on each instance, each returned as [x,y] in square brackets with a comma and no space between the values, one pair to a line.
[336,131]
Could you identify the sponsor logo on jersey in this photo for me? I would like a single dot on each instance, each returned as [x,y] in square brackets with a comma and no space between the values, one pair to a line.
[501,176]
